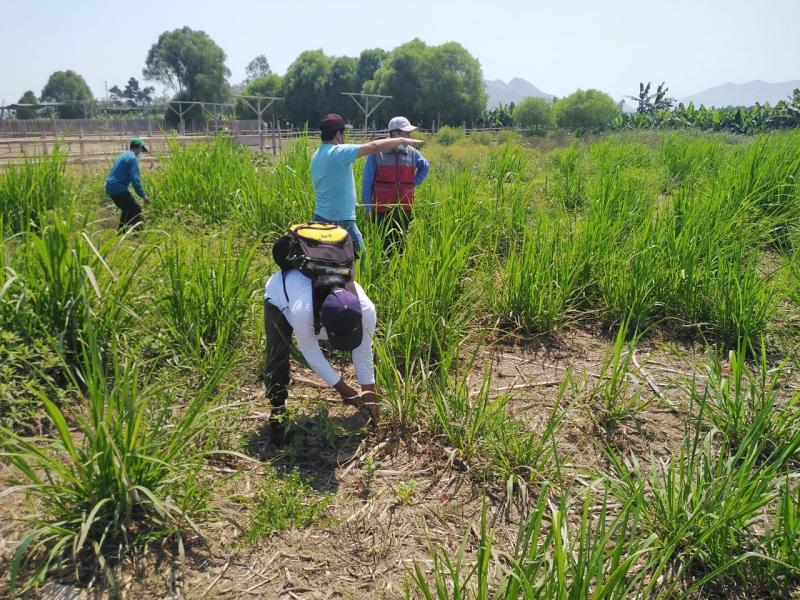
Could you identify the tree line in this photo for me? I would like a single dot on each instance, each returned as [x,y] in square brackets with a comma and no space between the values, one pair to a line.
[440,85]
[427,83]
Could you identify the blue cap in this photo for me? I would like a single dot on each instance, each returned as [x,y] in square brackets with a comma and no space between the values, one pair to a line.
[341,316]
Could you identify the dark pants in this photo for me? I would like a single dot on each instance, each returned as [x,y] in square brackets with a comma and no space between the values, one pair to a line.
[395,223]
[131,211]
[279,344]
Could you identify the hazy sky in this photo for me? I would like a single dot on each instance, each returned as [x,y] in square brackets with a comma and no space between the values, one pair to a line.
[556,45]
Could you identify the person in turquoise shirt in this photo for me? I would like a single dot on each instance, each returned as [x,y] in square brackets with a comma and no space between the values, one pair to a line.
[123,174]
[332,175]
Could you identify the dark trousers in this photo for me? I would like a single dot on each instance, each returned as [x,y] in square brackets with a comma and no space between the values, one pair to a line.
[131,211]
[276,368]
[395,222]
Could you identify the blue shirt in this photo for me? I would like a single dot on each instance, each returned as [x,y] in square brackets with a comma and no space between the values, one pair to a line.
[368,179]
[334,185]
[124,173]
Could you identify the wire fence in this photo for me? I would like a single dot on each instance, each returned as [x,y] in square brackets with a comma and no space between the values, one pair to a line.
[97,140]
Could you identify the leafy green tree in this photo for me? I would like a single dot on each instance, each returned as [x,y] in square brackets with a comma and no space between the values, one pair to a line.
[256,68]
[343,78]
[133,94]
[651,103]
[585,109]
[27,113]
[399,77]
[499,116]
[267,85]
[71,88]
[453,90]
[191,63]
[444,83]
[305,88]
[369,61]
[533,113]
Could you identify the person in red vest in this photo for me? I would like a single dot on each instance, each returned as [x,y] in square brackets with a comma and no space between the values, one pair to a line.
[389,180]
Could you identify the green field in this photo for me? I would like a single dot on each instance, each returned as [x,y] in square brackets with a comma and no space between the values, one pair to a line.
[587,360]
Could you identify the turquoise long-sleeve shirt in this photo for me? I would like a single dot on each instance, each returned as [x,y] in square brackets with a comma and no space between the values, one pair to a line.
[125,172]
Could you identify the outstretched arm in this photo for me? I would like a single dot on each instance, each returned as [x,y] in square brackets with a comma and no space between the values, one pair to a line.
[376,146]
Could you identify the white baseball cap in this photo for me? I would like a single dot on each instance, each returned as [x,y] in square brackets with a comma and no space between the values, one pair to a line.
[400,123]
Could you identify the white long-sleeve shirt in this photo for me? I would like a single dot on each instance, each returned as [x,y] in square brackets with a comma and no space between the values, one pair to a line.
[299,312]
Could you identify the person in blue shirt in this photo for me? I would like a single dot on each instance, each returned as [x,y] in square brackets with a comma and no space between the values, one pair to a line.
[389,181]
[123,174]
[332,175]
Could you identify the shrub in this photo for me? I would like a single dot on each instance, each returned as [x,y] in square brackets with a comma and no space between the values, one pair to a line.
[124,479]
[447,136]
[533,113]
[285,502]
[589,109]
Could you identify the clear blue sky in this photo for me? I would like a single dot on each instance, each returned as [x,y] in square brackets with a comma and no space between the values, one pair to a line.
[556,45]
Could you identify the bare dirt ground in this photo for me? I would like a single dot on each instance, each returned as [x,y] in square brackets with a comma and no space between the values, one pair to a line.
[371,537]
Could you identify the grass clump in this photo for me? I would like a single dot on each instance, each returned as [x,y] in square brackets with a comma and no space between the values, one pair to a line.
[603,556]
[209,180]
[205,296]
[128,476]
[60,282]
[284,502]
[447,136]
[31,189]
[26,372]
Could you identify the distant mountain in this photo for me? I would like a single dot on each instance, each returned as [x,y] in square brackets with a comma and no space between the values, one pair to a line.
[513,91]
[743,94]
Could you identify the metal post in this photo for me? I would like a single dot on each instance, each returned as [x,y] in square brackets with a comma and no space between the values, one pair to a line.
[272,131]
[365,107]
[260,128]
[259,110]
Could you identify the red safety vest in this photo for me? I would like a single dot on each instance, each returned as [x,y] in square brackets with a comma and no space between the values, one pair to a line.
[394,180]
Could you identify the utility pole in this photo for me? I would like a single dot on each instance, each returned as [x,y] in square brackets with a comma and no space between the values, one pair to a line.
[182,111]
[365,107]
[259,110]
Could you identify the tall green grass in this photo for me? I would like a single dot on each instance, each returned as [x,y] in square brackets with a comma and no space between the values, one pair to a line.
[126,477]
[220,181]
[602,556]
[571,180]
[209,180]
[540,285]
[706,503]
[688,159]
[205,296]
[283,196]
[31,189]
[767,173]
[60,278]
